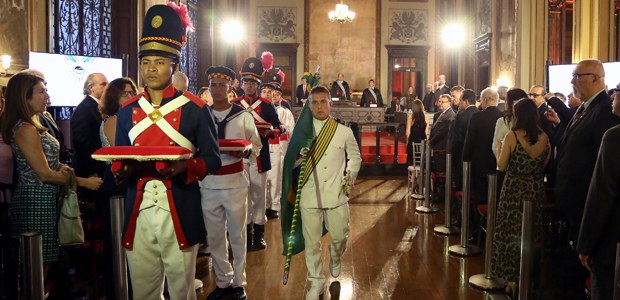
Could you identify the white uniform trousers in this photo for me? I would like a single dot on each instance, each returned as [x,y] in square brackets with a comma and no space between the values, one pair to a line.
[274,178]
[225,211]
[337,223]
[155,253]
[257,194]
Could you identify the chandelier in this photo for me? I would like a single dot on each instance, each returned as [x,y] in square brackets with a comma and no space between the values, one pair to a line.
[342,14]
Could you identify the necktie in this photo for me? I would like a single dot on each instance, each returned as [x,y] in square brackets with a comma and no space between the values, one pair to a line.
[577,115]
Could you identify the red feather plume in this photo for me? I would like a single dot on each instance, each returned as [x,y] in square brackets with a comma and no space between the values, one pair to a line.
[281,75]
[267,60]
[182,11]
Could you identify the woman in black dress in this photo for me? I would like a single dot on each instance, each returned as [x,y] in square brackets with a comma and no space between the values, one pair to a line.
[416,128]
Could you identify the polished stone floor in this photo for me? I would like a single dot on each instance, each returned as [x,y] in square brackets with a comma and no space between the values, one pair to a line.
[392,253]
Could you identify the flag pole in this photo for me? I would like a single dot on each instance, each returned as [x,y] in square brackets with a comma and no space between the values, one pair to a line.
[291,237]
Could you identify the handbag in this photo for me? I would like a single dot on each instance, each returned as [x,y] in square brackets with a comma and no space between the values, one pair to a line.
[70,231]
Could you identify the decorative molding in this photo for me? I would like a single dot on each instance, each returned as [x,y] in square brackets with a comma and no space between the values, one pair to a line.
[408,26]
[15,33]
[556,5]
[277,24]
[484,17]
[378,41]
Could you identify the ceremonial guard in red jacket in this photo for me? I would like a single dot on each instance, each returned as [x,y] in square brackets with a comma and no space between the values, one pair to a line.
[225,194]
[264,113]
[272,90]
[163,216]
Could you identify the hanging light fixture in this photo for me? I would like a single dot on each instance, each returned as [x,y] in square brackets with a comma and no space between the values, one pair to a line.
[342,14]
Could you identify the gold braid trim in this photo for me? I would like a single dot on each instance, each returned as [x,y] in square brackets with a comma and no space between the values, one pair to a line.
[162,39]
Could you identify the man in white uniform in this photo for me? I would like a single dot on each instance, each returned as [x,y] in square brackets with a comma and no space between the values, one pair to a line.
[225,194]
[325,195]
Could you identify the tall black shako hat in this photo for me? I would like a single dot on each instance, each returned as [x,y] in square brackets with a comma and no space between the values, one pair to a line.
[252,70]
[221,72]
[164,30]
[274,82]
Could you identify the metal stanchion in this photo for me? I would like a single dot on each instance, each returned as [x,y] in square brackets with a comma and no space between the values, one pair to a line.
[486,281]
[447,228]
[32,254]
[427,207]
[119,267]
[526,250]
[464,249]
[617,276]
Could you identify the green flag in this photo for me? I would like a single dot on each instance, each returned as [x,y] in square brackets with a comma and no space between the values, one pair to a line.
[290,218]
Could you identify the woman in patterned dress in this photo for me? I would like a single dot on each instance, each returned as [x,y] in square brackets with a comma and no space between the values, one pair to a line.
[33,206]
[523,156]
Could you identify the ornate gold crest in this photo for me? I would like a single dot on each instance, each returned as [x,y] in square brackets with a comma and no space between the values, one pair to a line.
[251,66]
[155,116]
[157,21]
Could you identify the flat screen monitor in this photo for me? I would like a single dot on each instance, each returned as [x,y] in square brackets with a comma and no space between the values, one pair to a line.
[65,74]
[560,77]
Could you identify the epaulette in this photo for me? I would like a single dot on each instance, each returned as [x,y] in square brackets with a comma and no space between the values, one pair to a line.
[132,100]
[201,103]
[343,122]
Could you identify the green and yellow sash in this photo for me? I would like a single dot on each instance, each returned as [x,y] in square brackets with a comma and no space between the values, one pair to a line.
[318,148]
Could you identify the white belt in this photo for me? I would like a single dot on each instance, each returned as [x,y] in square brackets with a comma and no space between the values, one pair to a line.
[252,108]
[156,116]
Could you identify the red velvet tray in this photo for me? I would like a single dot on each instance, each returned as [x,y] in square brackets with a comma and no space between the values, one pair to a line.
[142,153]
[234,145]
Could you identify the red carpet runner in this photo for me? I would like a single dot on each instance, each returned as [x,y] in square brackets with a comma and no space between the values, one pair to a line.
[386,148]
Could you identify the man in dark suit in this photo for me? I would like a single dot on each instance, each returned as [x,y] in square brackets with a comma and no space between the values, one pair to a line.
[478,144]
[395,106]
[502,91]
[429,98]
[85,123]
[439,133]
[537,94]
[84,126]
[371,95]
[302,92]
[600,226]
[340,88]
[578,146]
[457,134]
[564,112]
[438,140]
[441,89]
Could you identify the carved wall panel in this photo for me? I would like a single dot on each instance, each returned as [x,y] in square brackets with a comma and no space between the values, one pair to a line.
[408,26]
[276,24]
[483,20]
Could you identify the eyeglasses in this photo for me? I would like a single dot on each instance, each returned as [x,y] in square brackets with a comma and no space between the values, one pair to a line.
[535,95]
[444,101]
[128,94]
[577,75]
